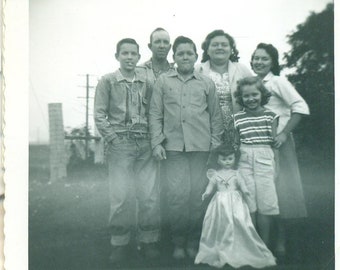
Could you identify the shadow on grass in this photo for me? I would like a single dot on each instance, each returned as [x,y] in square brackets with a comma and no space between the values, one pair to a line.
[68,222]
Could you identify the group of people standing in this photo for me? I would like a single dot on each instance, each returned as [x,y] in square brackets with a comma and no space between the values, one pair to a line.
[208,132]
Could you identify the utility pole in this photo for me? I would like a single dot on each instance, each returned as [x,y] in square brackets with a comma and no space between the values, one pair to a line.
[87,136]
[87,119]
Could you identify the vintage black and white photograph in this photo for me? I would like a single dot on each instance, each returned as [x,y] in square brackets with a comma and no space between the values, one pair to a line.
[181,134]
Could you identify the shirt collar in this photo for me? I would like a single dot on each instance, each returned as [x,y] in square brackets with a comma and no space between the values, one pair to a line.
[268,77]
[206,67]
[139,75]
[148,64]
[174,73]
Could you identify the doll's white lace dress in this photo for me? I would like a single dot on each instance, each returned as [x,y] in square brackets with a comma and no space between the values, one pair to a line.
[228,235]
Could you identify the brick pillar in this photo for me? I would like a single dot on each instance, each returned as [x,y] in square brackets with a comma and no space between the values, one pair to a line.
[57,147]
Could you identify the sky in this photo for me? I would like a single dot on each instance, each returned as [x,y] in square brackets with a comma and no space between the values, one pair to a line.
[71,38]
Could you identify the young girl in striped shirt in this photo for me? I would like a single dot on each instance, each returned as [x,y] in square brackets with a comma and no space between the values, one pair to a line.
[256,130]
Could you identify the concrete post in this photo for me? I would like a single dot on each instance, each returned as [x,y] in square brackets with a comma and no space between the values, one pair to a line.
[57,147]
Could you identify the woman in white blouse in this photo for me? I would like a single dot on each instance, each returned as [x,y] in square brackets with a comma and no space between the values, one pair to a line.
[290,106]
[219,62]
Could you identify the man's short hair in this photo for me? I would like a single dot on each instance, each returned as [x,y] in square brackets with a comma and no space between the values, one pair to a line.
[156,30]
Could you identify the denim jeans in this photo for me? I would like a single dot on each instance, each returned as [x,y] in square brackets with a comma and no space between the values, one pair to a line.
[134,190]
[186,181]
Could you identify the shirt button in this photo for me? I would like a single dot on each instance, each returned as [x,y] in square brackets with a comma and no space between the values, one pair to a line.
[183,121]
[183,107]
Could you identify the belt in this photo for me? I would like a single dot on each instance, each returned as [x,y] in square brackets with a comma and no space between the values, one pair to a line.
[133,135]
[255,145]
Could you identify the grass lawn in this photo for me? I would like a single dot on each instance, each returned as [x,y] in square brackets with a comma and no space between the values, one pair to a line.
[68,219]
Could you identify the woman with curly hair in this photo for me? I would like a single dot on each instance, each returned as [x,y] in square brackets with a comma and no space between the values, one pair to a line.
[220,63]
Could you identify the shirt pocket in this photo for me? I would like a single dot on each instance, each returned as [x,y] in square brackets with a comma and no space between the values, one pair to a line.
[117,93]
[171,95]
[264,161]
[117,143]
[198,97]
[265,164]
[244,158]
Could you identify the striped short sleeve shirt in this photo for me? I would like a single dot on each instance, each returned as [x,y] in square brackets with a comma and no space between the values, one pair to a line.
[255,128]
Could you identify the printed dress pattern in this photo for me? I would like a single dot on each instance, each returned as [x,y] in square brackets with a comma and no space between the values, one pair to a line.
[224,93]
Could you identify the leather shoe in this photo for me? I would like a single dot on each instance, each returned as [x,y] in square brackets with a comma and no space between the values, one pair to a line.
[179,253]
[191,252]
[118,254]
[150,250]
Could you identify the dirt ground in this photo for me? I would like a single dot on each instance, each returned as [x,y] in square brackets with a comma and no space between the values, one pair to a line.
[68,219]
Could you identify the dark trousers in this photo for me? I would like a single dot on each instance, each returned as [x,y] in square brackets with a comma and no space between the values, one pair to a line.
[186,181]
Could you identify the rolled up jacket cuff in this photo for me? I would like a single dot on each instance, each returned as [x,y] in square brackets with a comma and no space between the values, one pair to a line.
[148,236]
[157,140]
[120,240]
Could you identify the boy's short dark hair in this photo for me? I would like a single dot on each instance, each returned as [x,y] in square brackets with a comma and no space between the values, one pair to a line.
[253,80]
[223,150]
[183,40]
[124,41]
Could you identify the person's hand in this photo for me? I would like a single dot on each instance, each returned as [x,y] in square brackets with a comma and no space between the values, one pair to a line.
[246,193]
[277,164]
[205,195]
[159,152]
[280,139]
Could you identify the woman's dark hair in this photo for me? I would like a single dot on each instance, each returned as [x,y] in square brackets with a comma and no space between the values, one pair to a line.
[216,33]
[183,40]
[274,55]
[223,150]
[254,80]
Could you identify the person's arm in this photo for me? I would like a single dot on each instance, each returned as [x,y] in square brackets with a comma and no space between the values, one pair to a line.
[159,152]
[216,118]
[292,123]
[156,116]
[298,106]
[242,185]
[237,142]
[101,110]
[275,125]
[276,145]
[274,131]
[210,187]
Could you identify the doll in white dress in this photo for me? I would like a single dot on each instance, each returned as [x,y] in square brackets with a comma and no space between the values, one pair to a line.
[228,234]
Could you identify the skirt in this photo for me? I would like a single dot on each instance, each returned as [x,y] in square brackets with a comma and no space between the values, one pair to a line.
[288,185]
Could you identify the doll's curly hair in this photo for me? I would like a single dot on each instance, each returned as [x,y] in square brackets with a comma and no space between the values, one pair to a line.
[223,150]
[265,94]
